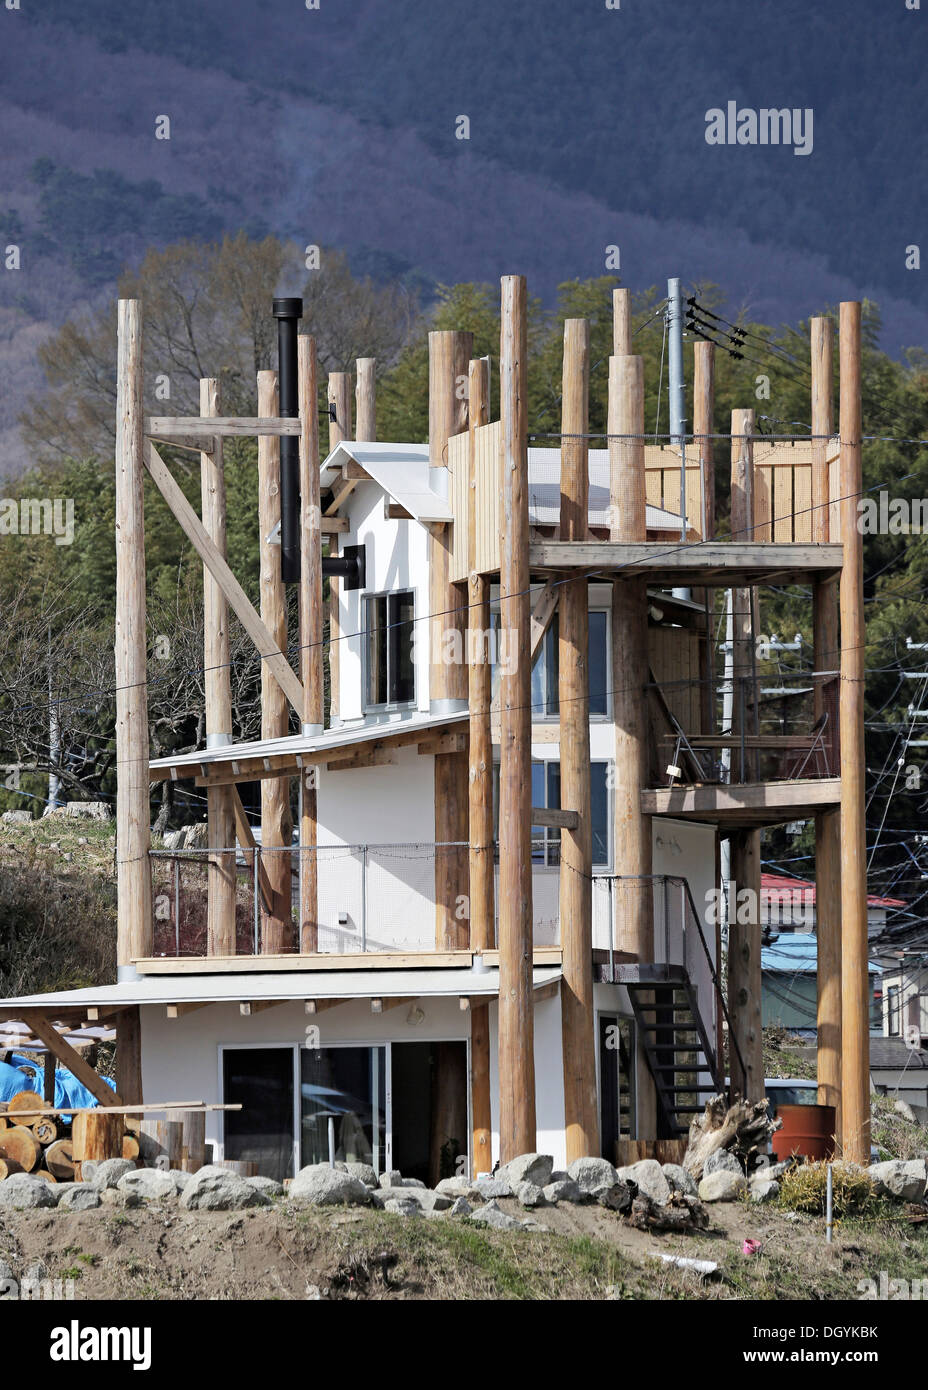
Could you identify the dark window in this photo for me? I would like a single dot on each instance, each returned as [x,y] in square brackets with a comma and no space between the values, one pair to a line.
[546,791]
[546,668]
[260,1079]
[892,1009]
[391,678]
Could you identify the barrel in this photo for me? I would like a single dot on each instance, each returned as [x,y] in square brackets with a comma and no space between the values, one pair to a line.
[808,1130]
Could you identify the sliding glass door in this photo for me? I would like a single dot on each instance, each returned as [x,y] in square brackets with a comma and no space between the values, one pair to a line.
[343,1105]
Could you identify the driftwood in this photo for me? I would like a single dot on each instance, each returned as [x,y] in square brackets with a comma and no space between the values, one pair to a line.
[682,1213]
[744,1128]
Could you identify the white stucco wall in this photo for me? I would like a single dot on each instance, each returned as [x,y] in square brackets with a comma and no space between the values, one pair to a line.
[549,1080]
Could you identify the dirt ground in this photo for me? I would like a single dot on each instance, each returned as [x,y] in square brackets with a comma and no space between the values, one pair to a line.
[292,1252]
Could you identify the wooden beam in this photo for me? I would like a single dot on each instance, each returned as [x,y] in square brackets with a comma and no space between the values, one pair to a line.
[365,396]
[190,523]
[542,614]
[394,512]
[481,1120]
[257,1006]
[855,980]
[338,395]
[551,991]
[379,757]
[714,563]
[481,865]
[276,819]
[319,1006]
[824,793]
[516,1012]
[558,819]
[133,817]
[129,1053]
[446,743]
[333,525]
[312,654]
[217,427]
[339,493]
[180,1010]
[49,1035]
[384,1005]
[220,891]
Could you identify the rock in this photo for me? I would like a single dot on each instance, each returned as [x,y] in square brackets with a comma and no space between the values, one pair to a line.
[490,1215]
[460,1207]
[35,1272]
[722,1186]
[322,1186]
[764,1191]
[392,1179]
[153,1184]
[530,1195]
[904,1180]
[599,1182]
[678,1179]
[23,1193]
[402,1206]
[721,1161]
[112,1197]
[558,1176]
[107,1172]
[457,1187]
[492,1187]
[410,1182]
[174,839]
[80,810]
[16,818]
[649,1178]
[80,1196]
[180,1179]
[618,1197]
[363,1172]
[531,1168]
[219,1189]
[269,1186]
[900,1106]
[770,1172]
[423,1196]
[563,1190]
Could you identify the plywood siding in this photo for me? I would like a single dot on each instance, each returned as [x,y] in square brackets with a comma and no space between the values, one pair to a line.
[674,658]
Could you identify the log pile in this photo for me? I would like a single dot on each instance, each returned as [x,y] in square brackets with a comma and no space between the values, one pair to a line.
[44,1145]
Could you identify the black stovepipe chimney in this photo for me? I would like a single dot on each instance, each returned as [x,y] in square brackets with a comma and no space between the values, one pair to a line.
[288,313]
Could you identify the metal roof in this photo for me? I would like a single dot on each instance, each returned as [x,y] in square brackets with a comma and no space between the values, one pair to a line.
[402,470]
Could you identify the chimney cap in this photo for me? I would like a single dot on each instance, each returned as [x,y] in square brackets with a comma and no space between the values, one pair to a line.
[291,308]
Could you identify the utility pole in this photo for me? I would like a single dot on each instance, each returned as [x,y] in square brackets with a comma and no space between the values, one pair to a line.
[677,396]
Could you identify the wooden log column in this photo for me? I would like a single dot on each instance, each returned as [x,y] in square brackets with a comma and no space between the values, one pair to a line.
[581,1111]
[339,402]
[449,356]
[365,398]
[220,816]
[480,798]
[826,658]
[133,814]
[744,936]
[516,1005]
[855,988]
[633,901]
[128,1057]
[703,412]
[311,635]
[276,820]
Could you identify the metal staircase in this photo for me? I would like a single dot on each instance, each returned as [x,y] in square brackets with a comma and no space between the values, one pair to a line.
[675,1043]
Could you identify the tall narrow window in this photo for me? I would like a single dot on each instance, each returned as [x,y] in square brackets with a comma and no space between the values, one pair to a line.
[390,672]
[546,669]
[546,791]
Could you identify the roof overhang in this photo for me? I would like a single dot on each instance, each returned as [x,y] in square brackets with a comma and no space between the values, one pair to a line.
[403,471]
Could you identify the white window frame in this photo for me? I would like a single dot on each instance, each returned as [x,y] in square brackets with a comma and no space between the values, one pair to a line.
[389,706]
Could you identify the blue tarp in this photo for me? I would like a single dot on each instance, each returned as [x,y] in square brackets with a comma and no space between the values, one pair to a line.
[69,1092]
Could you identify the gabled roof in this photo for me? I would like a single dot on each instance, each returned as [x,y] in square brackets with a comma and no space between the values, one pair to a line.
[402,470]
[778,888]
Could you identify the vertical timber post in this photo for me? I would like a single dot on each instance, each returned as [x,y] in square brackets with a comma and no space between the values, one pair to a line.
[516,1007]
[365,399]
[581,1119]
[133,815]
[633,900]
[276,822]
[339,403]
[220,816]
[826,658]
[480,749]
[744,937]
[311,651]
[449,355]
[855,1002]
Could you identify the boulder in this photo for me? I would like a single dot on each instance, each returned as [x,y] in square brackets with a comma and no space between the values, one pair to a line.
[112,1197]
[770,1172]
[16,818]
[457,1187]
[599,1182]
[80,810]
[531,1168]
[492,1187]
[530,1195]
[904,1180]
[722,1186]
[363,1172]
[678,1179]
[269,1186]
[649,1178]
[460,1207]
[153,1184]
[106,1172]
[721,1161]
[490,1215]
[80,1196]
[764,1191]
[563,1190]
[23,1193]
[425,1199]
[219,1189]
[402,1206]
[322,1186]
[392,1179]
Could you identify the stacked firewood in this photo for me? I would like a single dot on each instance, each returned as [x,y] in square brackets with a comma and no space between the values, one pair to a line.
[45,1145]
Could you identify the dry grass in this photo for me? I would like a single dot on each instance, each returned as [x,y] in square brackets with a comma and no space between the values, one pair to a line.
[804,1189]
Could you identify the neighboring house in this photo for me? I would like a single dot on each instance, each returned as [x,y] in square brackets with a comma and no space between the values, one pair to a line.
[425,981]
[790,953]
